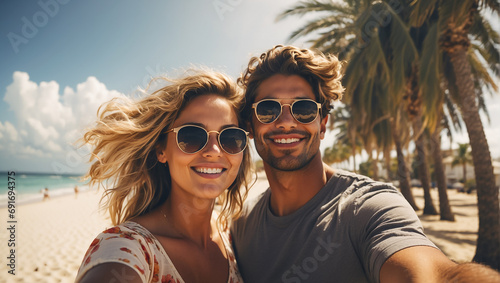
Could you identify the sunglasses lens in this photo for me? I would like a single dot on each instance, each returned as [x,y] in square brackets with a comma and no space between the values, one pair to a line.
[305,111]
[233,140]
[268,111]
[191,139]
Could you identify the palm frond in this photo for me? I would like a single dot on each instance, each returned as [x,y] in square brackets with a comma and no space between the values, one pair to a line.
[307,7]
[403,51]
[422,10]
[335,41]
[494,5]
[316,26]
[490,40]
[429,76]
[454,13]
[453,114]
[450,77]
[479,71]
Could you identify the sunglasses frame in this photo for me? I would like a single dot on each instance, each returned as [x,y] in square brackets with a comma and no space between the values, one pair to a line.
[177,129]
[254,106]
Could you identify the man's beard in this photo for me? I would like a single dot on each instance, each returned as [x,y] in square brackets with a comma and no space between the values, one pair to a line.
[288,162]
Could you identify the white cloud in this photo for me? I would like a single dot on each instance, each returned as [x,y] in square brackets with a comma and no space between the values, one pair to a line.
[47,122]
[30,152]
[8,132]
[87,98]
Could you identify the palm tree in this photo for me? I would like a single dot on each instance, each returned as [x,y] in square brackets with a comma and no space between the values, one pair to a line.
[339,22]
[458,20]
[415,111]
[463,158]
[445,211]
[348,134]
[337,153]
[420,144]
[353,33]
[403,172]
[431,82]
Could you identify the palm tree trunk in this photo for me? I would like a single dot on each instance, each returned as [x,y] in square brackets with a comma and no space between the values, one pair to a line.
[423,168]
[353,158]
[375,166]
[387,161]
[403,173]
[444,204]
[488,240]
[464,169]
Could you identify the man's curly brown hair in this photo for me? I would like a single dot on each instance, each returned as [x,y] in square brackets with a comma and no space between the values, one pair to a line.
[323,72]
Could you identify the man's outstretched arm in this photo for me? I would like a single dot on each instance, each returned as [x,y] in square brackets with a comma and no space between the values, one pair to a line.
[427,264]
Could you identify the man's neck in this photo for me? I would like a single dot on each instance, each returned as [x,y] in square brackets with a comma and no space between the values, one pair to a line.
[290,190]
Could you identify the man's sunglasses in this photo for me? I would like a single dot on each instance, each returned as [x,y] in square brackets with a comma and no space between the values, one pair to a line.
[304,111]
[191,139]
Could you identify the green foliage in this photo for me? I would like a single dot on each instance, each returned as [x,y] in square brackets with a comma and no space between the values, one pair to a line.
[471,183]
[365,168]
[463,155]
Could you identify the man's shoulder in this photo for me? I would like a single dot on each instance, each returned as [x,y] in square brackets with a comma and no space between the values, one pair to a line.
[355,183]
[355,177]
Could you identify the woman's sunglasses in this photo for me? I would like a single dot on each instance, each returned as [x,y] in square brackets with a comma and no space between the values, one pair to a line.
[191,139]
[304,111]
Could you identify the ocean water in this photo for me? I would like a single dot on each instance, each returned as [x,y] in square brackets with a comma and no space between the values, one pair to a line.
[29,186]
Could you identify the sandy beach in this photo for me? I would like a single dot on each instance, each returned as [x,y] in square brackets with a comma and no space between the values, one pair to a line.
[51,237]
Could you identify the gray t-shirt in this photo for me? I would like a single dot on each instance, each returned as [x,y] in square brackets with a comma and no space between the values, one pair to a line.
[343,234]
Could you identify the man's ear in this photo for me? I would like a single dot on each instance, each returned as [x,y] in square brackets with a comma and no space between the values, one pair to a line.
[161,155]
[250,129]
[324,121]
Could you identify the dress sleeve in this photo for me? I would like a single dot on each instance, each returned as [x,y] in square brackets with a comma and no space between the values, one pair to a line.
[120,245]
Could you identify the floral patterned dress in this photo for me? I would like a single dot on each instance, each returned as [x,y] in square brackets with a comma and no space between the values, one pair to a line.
[133,245]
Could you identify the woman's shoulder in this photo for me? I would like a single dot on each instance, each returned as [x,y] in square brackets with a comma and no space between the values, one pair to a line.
[127,230]
[128,243]
[133,235]
[128,237]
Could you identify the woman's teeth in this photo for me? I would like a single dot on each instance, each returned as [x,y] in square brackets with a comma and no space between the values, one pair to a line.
[209,170]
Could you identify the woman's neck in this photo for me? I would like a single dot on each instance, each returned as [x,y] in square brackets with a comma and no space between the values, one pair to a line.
[190,219]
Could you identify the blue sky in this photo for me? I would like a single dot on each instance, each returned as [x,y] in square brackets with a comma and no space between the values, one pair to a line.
[60,59]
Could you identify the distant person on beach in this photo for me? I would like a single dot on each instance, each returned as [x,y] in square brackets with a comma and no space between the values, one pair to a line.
[46,194]
[316,223]
[171,155]
[76,191]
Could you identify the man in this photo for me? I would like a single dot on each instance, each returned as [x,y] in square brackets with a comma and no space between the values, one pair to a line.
[317,224]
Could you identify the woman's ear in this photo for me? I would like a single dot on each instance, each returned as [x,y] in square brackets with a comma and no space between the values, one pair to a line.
[161,155]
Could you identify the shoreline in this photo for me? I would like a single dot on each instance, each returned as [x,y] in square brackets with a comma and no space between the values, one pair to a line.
[30,198]
[51,237]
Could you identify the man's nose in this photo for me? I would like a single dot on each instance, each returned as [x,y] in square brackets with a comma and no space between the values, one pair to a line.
[286,119]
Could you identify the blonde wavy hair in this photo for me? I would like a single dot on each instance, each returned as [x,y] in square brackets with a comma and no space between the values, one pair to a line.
[322,72]
[128,133]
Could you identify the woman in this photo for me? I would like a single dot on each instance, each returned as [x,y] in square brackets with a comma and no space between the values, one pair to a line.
[169,156]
